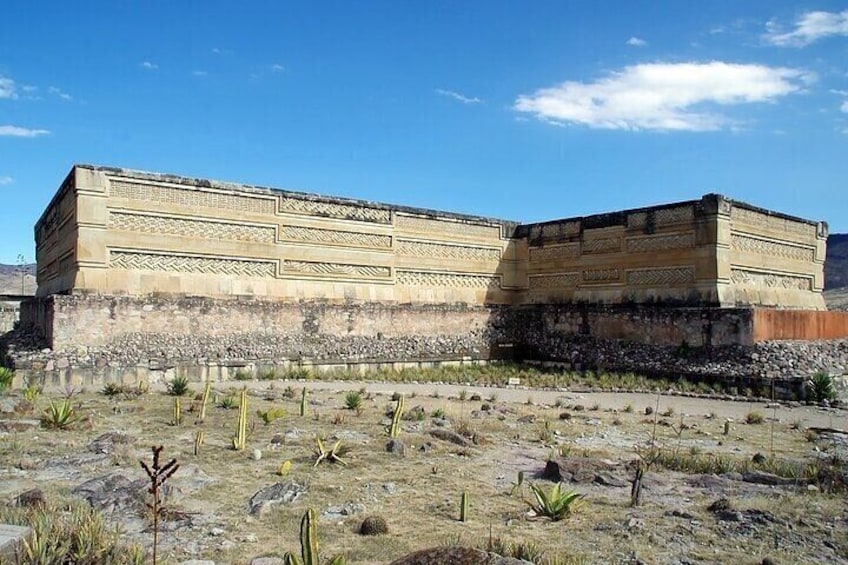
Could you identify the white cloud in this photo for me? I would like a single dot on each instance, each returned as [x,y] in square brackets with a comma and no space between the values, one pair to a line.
[844,107]
[6,180]
[636,42]
[662,96]
[15,131]
[277,68]
[457,96]
[149,66]
[7,88]
[809,28]
[58,92]
[199,73]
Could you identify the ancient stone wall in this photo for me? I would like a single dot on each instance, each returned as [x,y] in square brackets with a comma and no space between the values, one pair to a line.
[9,313]
[141,233]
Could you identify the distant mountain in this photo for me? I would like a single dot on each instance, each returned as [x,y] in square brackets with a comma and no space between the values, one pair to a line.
[11,277]
[836,266]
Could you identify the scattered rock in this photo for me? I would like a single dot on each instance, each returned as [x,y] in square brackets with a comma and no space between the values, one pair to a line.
[18,425]
[452,437]
[395,446]
[113,493]
[607,480]
[284,492]
[267,561]
[763,478]
[256,455]
[456,556]
[106,443]
[348,509]
[31,498]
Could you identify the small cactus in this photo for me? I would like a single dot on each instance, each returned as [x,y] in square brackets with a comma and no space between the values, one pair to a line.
[240,439]
[199,437]
[303,402]
[178,411]
[463,507]
[285,468]
[204,401]
[373,526]
[394,428]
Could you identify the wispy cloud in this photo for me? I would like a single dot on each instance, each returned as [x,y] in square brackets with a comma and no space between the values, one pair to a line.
[220,51]
[7,88]
[809,28]
[458,96]
[277,68]
[662,96]
[844,107]
[199,73]
[6,180]
[149,66]
[16,131]
[636,42]
[58,92]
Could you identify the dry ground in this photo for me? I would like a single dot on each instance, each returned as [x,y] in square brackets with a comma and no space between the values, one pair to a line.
[419,493]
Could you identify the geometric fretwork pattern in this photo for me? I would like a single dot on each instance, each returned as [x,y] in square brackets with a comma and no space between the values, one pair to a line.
[359,271]
[548,253]
[190,227]
[601,275]
[334,210]
[741,242]
[427,278]
[602,245]
[740,215]
[674,215]
[190,264]
[660,242]
[757,279]
[190,198]
[350,238]
[461,252]
[559,280]
[436,227]
[669,276]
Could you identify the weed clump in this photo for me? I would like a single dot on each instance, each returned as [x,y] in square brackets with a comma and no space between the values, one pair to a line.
[178,386]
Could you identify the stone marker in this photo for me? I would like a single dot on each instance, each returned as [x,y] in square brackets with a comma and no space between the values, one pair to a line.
[10,537]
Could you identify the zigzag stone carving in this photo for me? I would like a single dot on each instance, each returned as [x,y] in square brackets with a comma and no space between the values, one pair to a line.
[190,227]
[740,242]
[674,215]
[433,227]
[549,253]
[661,277]
[601,275]
[462,252]
[428,278]
[558,280]
[350,238]
[334,210]
[190,264]
[660,242]
[740,215]
[602,245]
[759,279]
[360,271]
[191,198]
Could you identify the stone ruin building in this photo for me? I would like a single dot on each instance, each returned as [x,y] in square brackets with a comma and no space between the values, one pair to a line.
[142,275]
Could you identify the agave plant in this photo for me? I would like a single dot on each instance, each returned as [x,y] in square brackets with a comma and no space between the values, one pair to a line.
[6,376]
[60,416]
[333,455]
[820,387]
[556,504]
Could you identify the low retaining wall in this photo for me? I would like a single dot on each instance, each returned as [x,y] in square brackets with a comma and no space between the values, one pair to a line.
[98,339]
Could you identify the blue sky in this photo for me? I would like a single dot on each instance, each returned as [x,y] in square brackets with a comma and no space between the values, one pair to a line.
[520,110]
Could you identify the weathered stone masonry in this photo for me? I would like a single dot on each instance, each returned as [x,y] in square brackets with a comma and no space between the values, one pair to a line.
[139,270]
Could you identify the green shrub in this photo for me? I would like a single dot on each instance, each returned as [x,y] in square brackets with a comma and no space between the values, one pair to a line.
[271,414]
[754,417]
[556,504]
[178,386]
[820,387]
[242,375]
[6,376]
[353,400]
[60,415]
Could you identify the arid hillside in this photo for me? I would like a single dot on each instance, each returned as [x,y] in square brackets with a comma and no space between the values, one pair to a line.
[12,279]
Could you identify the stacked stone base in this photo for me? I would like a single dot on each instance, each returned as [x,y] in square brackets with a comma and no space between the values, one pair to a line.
[91,339]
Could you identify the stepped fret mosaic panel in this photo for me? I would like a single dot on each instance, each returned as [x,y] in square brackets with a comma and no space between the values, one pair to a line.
[334,210]
[660,242]
[602,245]
[674,215]
[336,237]
[601,275]
[143,261]
[190,227]
[774,223]
[558,280]
[553,252]
[338,269]
[191,198]
[671,276]
[758,279]
[637,220]
[461,252]
[748,244]
[435,227]
[452,280]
